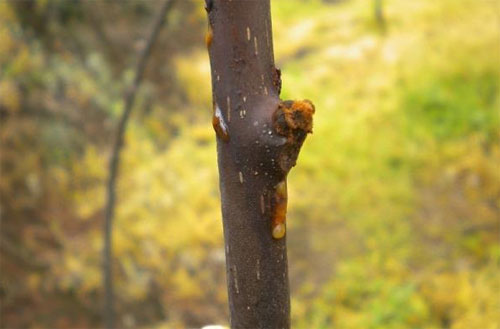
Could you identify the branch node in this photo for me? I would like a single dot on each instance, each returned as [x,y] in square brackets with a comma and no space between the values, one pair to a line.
[293,120]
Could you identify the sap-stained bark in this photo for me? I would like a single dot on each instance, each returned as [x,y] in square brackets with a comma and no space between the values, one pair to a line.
[259,138]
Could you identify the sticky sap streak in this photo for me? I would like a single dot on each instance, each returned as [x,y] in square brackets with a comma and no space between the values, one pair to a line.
[209,37]
[219,124]
[280,200]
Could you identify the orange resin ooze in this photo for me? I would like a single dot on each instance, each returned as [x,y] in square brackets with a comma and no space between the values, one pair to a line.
[278,220]
[220,127]
[209,37]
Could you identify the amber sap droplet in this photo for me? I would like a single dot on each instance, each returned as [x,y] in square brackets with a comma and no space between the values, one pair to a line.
[279,231]
[219,125]
[280,199]
[208,37]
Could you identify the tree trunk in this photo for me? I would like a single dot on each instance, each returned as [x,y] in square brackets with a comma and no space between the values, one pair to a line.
[379,14]
[114,165]
[258,140]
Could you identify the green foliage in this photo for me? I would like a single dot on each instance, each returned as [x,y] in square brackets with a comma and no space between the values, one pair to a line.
[393,206]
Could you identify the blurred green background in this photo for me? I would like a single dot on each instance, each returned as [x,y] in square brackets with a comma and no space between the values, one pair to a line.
[394,206]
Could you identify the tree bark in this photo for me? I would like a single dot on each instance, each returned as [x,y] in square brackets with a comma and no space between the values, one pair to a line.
[258,140]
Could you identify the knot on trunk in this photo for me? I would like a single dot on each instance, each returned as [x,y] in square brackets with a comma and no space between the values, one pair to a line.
[293,120]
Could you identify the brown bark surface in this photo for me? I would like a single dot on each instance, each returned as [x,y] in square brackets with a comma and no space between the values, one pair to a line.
[259,138]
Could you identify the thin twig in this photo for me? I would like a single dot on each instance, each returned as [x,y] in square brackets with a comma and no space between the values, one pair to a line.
[109,307]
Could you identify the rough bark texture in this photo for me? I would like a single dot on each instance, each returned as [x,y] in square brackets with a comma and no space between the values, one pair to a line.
[259,138]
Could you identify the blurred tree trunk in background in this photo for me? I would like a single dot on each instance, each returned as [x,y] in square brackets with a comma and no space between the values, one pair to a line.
[109,305]
[253,160]
[379,14]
